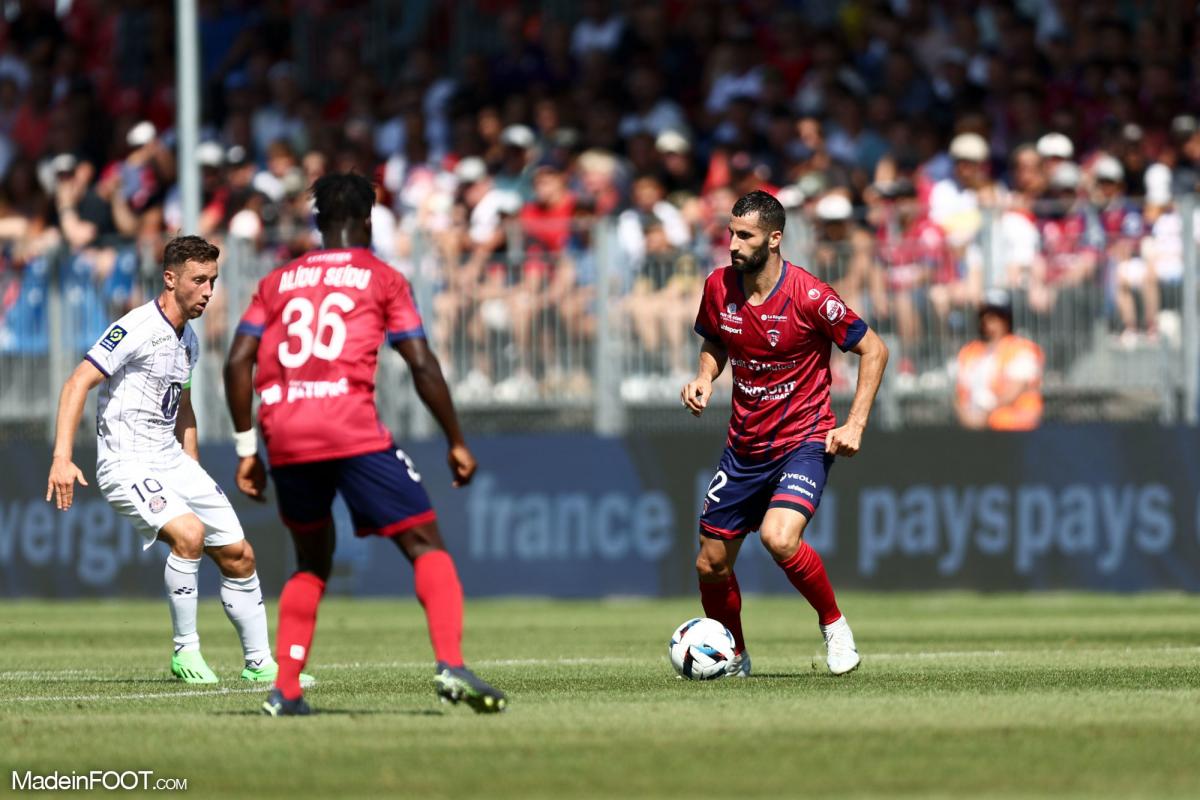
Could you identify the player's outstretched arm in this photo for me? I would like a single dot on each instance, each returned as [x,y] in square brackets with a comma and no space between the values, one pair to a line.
[846,440]
[63,472]
[431,388]
[695,394]
[251,478]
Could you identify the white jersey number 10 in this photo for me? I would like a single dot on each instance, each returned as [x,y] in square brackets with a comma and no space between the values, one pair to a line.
[298,317]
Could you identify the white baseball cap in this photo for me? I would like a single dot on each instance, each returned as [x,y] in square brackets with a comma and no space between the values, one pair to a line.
[969,147]
[471,169]
[1107,168]
[141,134]
[1065,176]
[1055,145]
[834,208]
[671,141]
[521,136]
[64,162]
[210,154]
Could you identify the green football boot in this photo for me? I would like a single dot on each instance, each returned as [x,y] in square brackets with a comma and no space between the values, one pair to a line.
[190,667]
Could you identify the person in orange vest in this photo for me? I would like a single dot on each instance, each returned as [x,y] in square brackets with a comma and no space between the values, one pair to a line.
[999,374]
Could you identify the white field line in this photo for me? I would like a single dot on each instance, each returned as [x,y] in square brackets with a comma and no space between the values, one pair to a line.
[82,698]
[70,675]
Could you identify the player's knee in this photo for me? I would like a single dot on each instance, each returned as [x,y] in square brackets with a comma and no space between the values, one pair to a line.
[420,540]
[780,541]
[186,537]
[235,560]
[710,568]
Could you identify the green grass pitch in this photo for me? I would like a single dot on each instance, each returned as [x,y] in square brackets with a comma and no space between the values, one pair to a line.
[959,695]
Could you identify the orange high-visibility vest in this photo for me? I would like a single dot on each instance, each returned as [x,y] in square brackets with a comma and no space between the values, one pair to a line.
[1024,413]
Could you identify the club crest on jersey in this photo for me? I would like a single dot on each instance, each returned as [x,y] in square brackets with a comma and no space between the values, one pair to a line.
[773,337]
[730,309]
[833,310]
[116,334]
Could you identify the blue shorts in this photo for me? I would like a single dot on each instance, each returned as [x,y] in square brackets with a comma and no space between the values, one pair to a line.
[382,490]
[742,490]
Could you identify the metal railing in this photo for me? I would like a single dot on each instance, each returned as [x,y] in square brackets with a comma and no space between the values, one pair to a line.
[595,333]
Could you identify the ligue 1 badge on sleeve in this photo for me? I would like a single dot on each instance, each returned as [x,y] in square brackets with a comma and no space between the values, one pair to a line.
[113,338]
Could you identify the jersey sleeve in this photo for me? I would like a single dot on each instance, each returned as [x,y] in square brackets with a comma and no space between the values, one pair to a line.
[254,321]
[401,317]
[114,349]
[830,315]
[707,324]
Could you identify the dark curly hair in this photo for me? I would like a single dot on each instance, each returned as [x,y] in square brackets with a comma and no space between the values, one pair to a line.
[771,216]
[183,249]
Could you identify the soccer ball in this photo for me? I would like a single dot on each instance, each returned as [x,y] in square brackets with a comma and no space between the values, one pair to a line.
[700,648]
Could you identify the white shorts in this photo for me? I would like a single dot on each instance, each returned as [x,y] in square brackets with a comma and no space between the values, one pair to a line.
[152,495]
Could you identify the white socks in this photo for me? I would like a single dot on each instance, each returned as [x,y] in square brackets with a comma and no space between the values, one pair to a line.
[180,579]
[243,602]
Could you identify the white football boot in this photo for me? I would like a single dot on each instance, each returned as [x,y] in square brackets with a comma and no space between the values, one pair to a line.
[739,665]
[840,652]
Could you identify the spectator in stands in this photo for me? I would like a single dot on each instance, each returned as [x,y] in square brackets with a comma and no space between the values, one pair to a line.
[844,255]
[913,255]
[653,236]
[545,280]
[678,167]
[472,292]
[1018,230]
[999,383]
[1072,244]
[1123,227]
[955,205]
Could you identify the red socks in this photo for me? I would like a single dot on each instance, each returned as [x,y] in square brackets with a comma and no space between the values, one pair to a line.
[807,573]
[297,618]
[723,602]
[441,594]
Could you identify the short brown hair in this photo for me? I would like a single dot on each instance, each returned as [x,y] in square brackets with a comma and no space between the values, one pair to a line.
[183,249]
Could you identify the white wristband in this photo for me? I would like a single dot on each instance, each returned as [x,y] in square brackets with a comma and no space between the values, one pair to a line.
[246,443]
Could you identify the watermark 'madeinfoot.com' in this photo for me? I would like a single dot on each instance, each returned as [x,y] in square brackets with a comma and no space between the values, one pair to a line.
[105,779]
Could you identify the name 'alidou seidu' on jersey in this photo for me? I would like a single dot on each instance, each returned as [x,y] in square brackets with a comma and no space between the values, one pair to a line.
[779,354]
[320,320]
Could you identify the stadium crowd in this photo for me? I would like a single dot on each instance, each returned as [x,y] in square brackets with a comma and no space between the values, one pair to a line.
[907,136]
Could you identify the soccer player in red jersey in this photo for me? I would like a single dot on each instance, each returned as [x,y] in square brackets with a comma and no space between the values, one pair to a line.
[773,322]
[308,345]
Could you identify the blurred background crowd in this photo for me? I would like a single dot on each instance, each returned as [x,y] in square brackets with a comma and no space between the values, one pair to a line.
[538,161]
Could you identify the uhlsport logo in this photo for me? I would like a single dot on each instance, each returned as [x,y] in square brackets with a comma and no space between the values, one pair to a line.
[113,338]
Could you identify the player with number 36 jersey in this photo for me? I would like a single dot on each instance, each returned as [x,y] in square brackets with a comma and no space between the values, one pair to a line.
[308,344]
[319,321]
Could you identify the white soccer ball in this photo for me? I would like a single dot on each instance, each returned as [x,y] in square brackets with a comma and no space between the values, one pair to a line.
[700,648]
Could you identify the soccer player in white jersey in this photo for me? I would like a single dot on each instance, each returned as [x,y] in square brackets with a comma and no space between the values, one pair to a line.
[147,461]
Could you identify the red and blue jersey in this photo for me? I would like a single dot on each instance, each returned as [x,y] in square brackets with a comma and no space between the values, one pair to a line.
[320,320]
[779,353]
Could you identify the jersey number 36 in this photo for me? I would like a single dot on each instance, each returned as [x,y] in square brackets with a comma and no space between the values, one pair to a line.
[326,341]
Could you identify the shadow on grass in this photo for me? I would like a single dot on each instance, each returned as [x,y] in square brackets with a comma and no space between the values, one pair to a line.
[344,712]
